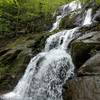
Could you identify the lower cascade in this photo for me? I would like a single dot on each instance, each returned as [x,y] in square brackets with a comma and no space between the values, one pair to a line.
[48,71]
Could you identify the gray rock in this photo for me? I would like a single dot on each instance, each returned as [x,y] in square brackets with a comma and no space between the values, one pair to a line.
[92,37]
[84,47]
[91,66]
[83,88]
[96,17]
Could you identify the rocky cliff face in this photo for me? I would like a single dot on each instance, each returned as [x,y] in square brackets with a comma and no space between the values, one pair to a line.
[85,52]
[83,88]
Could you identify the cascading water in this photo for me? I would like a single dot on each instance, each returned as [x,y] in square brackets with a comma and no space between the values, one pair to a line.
[88,18]
[48,71]
[66,9]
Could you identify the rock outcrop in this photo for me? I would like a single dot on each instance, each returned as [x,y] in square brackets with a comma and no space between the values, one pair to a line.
[90,67]
[85,52]
[86,56]
[84,47]
[86,84]
[83,88]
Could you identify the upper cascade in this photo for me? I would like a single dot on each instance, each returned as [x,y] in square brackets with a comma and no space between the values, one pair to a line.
[74,5]
[88,18]
[65,10]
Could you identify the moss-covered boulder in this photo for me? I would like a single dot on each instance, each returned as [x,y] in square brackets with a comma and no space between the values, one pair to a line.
[72,20]
[84,47]
[91,66]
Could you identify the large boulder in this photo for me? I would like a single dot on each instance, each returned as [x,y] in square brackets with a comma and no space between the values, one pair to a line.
[84,47]
[82,88]
[91,66]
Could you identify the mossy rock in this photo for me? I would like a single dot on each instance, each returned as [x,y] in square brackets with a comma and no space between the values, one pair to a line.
[91,28]
[80,52]
[84,47]
[72,20]
[11,70]
[15,56]
[91,66]
[68,22]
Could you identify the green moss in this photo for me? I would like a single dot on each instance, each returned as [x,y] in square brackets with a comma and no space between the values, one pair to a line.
[69,21]
[3,70]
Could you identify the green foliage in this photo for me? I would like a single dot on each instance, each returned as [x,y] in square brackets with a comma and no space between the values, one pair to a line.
[98,1]
[27,15]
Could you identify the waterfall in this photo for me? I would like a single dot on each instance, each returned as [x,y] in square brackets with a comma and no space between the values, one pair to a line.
[56,24]
[88,18]
[66,9]
[48,71]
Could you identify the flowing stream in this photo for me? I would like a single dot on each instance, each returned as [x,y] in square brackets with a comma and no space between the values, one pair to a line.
[48,71]
[66,9]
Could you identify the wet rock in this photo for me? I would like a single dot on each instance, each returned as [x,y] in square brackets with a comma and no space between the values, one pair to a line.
[1,98]
[12,66]
[91,28]
[92,37]
[83,47]
[82,88]
[15,56]
[91,66]
[2,52]
[10,56]
[68,22]
[72,20]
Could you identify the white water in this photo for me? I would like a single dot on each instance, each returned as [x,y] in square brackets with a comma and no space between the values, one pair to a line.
[48,71]
[66,9]
[88,18]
